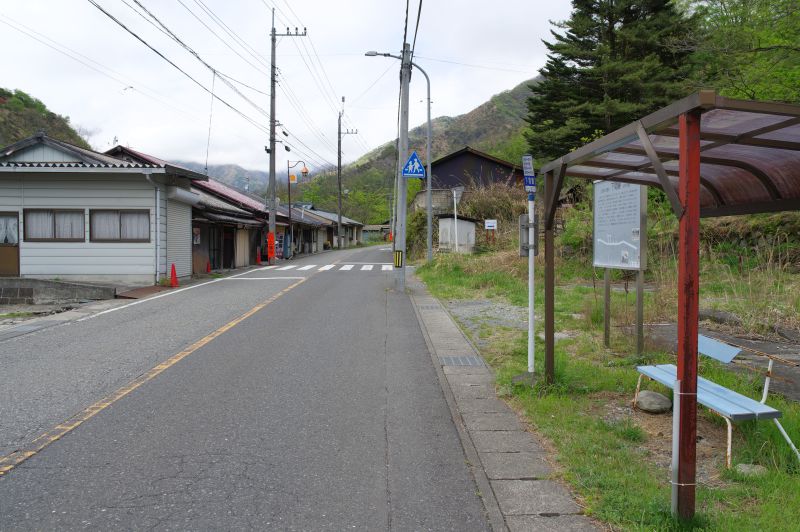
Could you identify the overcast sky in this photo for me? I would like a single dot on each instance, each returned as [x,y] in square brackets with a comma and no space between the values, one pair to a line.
[470,49]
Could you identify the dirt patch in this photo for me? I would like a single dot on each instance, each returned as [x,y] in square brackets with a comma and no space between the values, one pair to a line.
[711,437]
[13,314]
[483,318]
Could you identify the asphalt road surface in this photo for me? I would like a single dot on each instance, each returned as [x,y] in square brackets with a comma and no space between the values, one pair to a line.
[321,410]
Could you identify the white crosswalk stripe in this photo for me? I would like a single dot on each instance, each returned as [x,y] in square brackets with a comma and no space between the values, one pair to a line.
[366,267]
[386,267]
[327,267]
[289,267]
[346,267]
[307,267]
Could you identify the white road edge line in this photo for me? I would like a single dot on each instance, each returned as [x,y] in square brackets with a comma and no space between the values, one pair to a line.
[159,296]
[289,267]
[261,278]
[306,267]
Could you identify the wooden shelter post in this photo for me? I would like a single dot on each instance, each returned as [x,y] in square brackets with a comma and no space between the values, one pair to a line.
[549,281]
[552,189]
[688,302]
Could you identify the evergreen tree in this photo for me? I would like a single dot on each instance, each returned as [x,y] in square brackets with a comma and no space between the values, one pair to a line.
[613,62]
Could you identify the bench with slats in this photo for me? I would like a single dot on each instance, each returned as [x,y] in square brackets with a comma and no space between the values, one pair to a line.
[730,405]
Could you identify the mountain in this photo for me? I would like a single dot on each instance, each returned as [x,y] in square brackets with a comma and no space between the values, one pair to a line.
[22,115]
[231,174]
[495,127]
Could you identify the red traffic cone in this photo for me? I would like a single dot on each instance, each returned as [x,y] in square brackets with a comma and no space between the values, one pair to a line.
[208,267]
[173,278]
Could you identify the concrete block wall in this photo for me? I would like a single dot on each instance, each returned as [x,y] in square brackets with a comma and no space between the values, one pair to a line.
[22,291]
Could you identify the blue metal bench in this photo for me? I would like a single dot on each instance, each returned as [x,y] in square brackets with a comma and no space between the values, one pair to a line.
[730,405]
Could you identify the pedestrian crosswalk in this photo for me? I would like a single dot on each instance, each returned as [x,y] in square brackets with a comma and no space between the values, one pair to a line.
[342,267]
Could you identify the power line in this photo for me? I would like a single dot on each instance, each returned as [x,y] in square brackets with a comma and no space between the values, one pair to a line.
[127,82]
[176,67]
[225,42]
[416,29]
[473,65]
[297,105]
[186,47]
[405,27]
[241,42]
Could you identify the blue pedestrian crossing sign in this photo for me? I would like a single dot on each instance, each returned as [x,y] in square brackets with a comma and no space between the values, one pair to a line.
[413,167]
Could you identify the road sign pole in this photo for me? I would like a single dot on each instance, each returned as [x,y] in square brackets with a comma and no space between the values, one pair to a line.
[531,283]
[530,188]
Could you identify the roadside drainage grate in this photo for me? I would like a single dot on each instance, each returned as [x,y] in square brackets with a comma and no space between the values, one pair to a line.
[461,361]
[429,307]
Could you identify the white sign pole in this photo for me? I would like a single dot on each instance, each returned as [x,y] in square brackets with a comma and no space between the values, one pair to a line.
[455,218]
[530,187]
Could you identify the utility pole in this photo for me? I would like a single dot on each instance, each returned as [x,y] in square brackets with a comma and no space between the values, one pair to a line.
[401,204]
[273,208]
[339,172]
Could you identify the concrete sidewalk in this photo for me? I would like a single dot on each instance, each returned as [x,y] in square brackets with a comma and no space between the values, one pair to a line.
[509,464]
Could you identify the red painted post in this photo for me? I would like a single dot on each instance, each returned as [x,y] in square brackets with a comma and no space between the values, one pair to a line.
[688,301]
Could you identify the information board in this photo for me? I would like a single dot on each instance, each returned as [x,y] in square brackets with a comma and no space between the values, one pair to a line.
[618,212]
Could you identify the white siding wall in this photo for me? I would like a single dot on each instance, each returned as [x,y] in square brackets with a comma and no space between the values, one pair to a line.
[179,237]
[114,262]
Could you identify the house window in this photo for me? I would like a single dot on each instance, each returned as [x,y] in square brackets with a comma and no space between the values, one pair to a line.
[48,225]
[119,226]
[9,229]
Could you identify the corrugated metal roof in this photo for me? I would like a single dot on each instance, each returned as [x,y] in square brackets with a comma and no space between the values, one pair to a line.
[88,159]
[213,202]
[239,198]
[117,164]
[749,160]
[335,217]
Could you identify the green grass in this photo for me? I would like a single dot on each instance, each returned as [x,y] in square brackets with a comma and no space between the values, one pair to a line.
[8,315]
[607,462]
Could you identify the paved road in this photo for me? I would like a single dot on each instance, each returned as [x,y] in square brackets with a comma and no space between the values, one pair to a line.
[320,411]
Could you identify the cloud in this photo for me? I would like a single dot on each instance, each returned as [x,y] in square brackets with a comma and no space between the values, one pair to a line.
[166,114]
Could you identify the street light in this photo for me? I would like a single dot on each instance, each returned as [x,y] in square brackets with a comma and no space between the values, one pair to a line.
[428,202]
[304,172]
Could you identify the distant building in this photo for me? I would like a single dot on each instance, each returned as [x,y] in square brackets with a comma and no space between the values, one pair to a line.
[456,236]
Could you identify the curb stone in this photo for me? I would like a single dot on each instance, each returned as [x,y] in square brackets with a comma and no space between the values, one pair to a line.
[508,464]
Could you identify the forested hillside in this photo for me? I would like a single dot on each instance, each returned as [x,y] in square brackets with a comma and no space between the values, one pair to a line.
[22,115]
[495,127]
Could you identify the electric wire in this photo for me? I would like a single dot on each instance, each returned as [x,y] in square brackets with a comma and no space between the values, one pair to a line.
[416,29]
[175,66]
[189,49]
[473,65]
[210,116]
[126,81]
[225,42]
[241,42]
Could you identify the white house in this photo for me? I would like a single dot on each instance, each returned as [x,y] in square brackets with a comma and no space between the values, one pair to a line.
[76,214]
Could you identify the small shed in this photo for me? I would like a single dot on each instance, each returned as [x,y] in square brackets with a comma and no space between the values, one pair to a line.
[456,235]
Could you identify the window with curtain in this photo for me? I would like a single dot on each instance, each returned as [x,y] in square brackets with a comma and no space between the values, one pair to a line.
[119,226]
[9,229]
[70,225]
[53,225]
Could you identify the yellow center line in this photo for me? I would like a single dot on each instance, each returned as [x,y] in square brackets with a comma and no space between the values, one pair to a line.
[10,461]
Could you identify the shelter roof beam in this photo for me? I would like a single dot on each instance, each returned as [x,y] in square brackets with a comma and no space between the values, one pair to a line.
[655,161]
